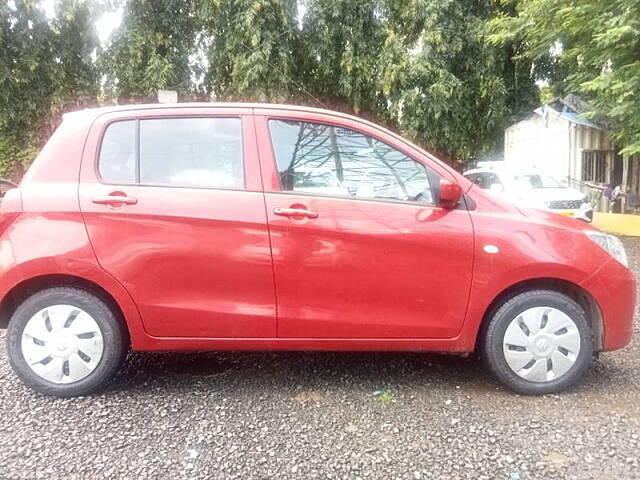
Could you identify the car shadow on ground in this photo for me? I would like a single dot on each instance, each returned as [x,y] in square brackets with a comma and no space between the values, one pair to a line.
[286,371]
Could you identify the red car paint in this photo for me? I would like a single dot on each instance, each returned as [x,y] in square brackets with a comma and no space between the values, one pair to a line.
[202,268]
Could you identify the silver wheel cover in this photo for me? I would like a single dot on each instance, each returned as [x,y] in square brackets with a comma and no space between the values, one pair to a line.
[541,344]
[62,344]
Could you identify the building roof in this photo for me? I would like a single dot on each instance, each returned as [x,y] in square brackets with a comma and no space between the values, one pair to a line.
[573,117]
[573,109]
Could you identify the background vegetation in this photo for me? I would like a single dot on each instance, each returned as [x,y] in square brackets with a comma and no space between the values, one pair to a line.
[450,74]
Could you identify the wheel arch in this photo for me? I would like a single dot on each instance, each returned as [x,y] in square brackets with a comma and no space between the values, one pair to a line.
[21,291]
[572,290]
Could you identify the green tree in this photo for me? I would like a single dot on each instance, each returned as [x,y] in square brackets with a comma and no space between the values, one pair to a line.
[151,50]
[46,68]
[424,67]
[594,50]
[446,85]
[343,41]
[252,49]
[27,86]
[75,49]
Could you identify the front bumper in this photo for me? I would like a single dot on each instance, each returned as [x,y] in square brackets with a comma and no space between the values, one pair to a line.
[585,212]
[613,287]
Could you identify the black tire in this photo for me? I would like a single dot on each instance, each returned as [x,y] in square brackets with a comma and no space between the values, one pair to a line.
[491,347]
[114,335]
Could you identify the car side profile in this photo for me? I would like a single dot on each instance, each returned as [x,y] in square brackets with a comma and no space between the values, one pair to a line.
[270,227]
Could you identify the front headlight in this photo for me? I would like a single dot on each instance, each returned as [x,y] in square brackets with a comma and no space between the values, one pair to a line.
[610,243]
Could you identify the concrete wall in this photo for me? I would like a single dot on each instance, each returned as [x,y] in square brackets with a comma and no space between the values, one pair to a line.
[554,144]
[540,143]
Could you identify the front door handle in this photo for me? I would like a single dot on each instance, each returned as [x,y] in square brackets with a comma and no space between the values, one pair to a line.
[295,212]
[114,200]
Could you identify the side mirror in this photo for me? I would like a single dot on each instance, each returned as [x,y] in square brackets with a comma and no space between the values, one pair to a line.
[450,194]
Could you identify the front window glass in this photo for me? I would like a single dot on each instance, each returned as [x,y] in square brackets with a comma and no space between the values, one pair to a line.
[486,180]
[329,160]
[539,181]
[493,182]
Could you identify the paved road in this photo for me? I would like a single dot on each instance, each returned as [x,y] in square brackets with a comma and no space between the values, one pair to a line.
[303,415]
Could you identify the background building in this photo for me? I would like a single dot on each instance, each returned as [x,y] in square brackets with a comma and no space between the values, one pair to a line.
[558,139]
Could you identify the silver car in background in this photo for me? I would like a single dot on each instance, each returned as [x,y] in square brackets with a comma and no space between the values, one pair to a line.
[533,189]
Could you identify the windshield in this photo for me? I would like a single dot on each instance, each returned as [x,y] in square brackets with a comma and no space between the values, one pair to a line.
[539,181]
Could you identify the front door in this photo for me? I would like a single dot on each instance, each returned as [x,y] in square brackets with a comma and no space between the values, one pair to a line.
[175,213]
[360,249]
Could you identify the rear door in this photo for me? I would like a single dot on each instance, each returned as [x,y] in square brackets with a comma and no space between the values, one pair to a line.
[173,204]
[360,249]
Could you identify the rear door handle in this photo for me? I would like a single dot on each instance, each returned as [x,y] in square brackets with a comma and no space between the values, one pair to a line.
[295,212]
[114,200]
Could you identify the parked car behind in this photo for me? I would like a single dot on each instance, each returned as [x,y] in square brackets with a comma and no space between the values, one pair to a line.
[263,227]
[534,189]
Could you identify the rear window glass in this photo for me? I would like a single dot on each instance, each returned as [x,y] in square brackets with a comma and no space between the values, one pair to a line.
[202,152]
[187,152]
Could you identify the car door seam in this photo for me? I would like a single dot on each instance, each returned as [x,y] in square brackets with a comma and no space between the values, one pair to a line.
[266,214]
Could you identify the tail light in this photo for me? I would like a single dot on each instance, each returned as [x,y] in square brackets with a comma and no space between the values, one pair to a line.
[10,208]
[7,219]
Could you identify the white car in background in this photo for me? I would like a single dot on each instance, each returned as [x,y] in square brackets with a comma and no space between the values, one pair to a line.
[533,189]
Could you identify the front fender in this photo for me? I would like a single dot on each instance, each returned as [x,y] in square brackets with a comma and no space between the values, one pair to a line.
[511,249]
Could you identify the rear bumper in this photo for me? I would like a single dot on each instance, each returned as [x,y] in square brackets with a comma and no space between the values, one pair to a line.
[614,289]
[8,276]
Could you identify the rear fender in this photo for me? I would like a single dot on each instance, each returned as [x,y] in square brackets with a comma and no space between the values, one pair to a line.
[62,248]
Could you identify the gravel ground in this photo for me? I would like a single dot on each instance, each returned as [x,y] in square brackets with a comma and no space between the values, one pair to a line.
[314,415]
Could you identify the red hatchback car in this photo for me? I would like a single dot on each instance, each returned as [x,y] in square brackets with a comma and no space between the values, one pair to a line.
[268,227]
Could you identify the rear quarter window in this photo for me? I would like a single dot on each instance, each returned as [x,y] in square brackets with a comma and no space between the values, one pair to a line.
[117,161]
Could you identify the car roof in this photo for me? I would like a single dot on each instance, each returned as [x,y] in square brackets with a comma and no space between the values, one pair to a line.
[95,112]
[90,114]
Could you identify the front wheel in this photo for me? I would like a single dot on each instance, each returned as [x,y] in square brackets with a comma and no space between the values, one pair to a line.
[65,342]
[538,342]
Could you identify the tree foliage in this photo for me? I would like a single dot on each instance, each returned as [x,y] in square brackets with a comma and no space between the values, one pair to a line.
[588,47]
[424,67]
[76,45]
[343,41]
[151,50]
[252,48]
[45,69]
[26,88]
[446,85]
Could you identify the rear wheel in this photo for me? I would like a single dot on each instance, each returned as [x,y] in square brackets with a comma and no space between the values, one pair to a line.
[538,342]
[65,342]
